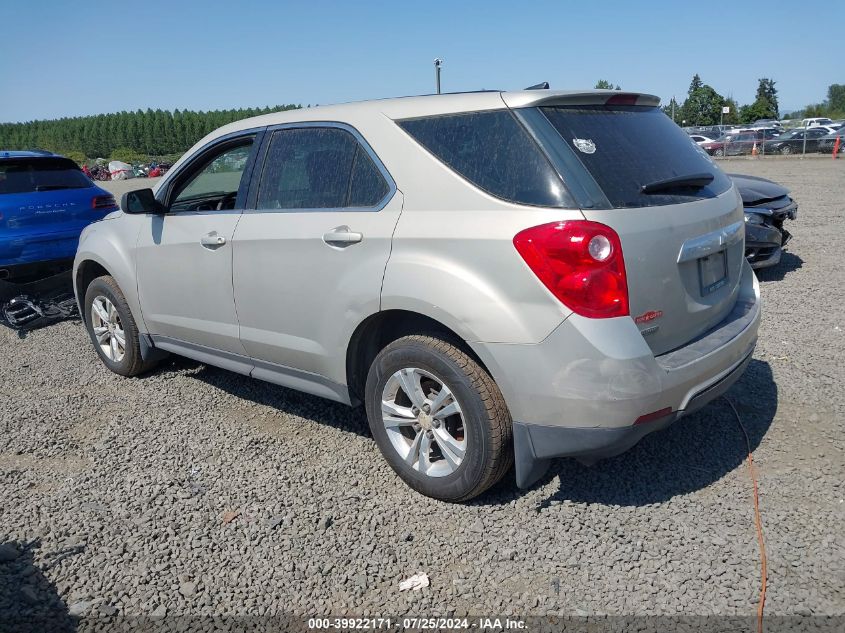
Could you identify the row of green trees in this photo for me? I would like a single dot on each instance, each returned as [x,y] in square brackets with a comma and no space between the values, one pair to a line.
[129,136]
[703,105]
[833,107]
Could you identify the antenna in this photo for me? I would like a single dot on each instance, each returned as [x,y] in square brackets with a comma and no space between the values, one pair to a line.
[540,86]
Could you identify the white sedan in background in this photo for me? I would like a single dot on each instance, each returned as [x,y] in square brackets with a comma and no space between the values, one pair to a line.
[700,140]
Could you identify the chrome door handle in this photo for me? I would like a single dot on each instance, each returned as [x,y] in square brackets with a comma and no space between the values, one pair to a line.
[342,236]
[212,239]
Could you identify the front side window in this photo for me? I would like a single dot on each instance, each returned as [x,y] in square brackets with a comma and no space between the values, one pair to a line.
[319,168]
[492,151]
[215,184]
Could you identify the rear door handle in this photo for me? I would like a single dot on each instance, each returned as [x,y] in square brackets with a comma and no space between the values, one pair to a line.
[342,236]
[212,240]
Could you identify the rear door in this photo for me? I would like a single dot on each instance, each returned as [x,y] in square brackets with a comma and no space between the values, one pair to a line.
[682,244]
[309,259]
[45,202]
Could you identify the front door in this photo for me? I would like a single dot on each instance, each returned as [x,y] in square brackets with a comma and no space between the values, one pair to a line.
[184,257]
[310,259]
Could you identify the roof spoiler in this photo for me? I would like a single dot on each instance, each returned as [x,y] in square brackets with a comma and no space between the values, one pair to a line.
[527,99]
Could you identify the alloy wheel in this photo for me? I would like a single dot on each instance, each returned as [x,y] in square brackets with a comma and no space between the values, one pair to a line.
[424,422]
[108,330]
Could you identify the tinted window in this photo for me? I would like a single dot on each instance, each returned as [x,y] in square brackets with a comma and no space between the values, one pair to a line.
[25,175]
[217,182]
[368,186]
[627,147]
[319,168]
[492,151]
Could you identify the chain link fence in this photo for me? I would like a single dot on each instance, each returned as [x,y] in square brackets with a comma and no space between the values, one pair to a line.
[727,141]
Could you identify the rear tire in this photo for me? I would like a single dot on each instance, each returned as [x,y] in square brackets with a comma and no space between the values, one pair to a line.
[112,328]
[470,435]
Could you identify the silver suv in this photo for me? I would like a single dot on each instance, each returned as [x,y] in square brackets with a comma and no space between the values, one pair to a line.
[498,277]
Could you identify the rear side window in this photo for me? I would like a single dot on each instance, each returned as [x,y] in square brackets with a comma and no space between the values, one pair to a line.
[493,152]
[319,168]
[26,175]
[627,147]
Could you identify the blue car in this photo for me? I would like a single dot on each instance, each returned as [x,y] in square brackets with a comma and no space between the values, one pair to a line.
[45,202]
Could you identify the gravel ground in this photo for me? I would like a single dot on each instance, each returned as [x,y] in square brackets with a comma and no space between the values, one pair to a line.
[197,491]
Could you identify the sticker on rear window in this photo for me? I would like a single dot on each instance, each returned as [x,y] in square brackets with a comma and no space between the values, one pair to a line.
[585,145]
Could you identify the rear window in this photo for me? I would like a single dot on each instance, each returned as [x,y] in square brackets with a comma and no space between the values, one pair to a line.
[25,175]
[626,147]
[493,152]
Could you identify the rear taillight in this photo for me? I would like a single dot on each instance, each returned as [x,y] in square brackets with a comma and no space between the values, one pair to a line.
[102,202]
[581,263]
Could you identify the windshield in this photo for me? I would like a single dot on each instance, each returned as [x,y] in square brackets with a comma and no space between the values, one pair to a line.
[26,175]
[626,148]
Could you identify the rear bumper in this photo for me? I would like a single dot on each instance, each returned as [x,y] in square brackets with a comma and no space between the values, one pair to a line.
[580,391]
[535,445]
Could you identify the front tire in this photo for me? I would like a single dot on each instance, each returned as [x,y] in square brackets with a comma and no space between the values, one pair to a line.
[438,418]
[112,329]
[786,150]
[719,153]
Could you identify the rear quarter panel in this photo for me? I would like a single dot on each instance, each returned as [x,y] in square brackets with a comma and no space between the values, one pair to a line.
[453,257]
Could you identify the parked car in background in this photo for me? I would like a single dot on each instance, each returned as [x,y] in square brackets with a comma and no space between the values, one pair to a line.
[455,262]
[710,131]
[792,142]
[45,202]
[767,206]
[828,142]
[700,140]
[740,143]
[767,123]
[816,121]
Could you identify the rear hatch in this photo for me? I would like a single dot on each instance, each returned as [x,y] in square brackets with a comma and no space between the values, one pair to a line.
[43,200]
[679,218]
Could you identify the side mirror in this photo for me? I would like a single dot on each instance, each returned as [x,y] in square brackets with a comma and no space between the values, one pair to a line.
[141,201]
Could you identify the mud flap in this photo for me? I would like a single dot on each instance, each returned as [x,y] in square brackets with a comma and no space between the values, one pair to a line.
[529,469]
[39,303]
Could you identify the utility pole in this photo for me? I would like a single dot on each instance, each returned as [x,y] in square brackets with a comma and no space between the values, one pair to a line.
[673,108]
[437,65]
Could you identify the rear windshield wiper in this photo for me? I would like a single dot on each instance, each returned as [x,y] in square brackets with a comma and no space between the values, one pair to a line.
[55,187]
[692,181]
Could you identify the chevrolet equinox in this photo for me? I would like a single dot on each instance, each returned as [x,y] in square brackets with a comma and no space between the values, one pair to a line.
[499,277]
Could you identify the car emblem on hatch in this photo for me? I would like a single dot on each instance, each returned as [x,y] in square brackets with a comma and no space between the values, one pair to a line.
[585,145]
[651,315]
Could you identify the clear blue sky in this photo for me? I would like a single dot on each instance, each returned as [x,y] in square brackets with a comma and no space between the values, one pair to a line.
[67,58]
